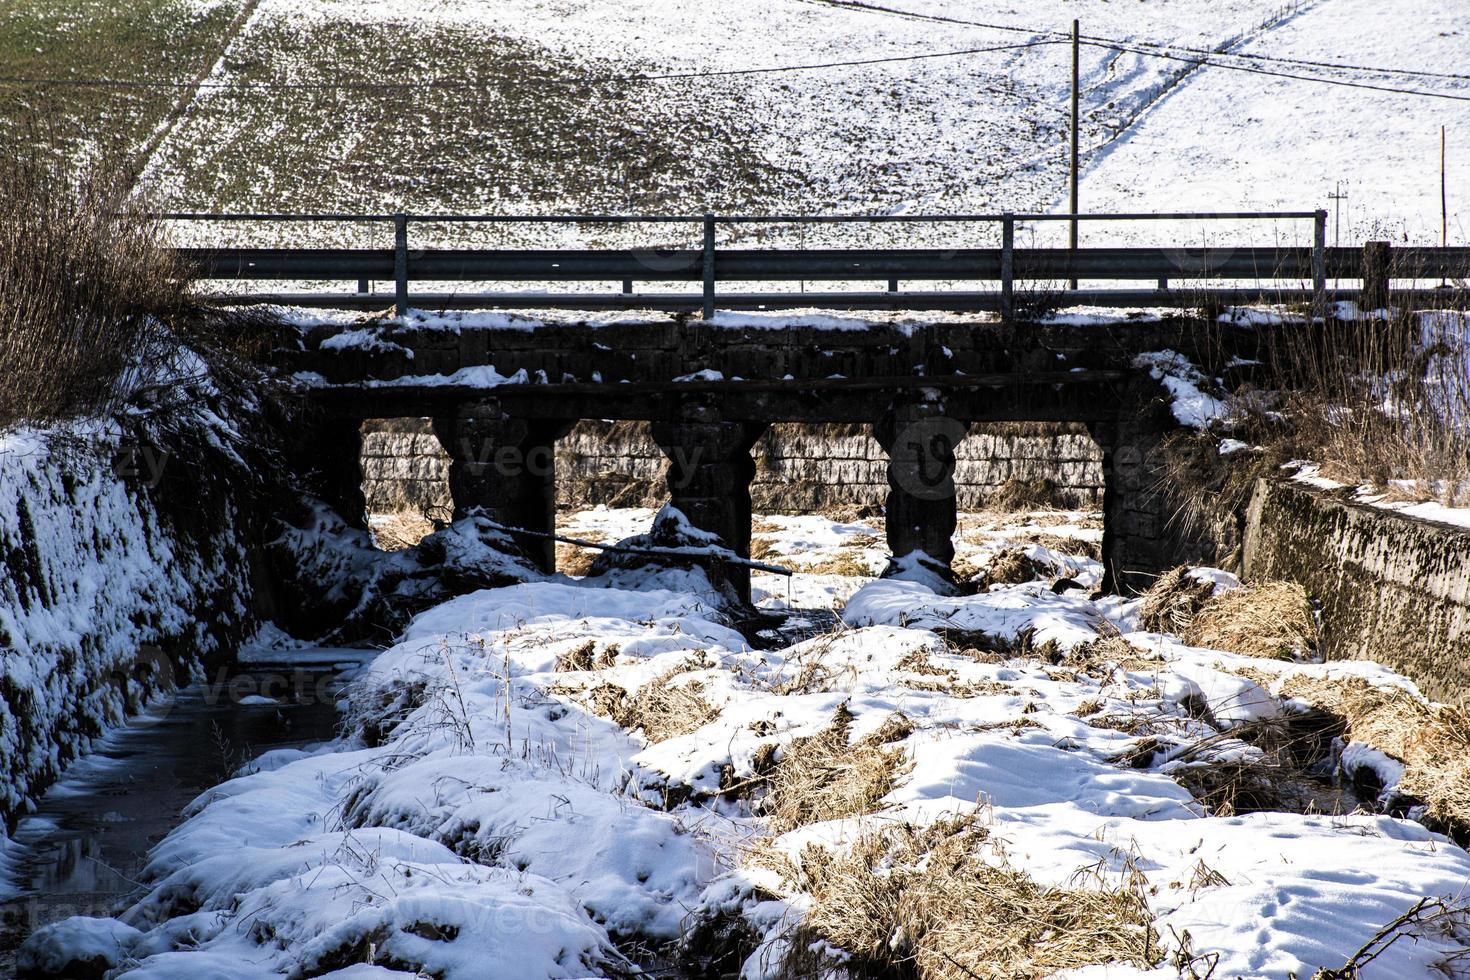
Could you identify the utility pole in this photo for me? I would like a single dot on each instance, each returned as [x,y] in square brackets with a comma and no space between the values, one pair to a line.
[1337,197]
[1444,197]
[1076,104]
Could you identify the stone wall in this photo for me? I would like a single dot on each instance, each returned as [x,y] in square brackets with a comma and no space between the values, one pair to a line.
[1393,589]
[127,567]
[799,468]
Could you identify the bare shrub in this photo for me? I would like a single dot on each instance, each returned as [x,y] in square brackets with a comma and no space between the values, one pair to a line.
[943,903]
[93,307]
[1381,401]
[1267,619]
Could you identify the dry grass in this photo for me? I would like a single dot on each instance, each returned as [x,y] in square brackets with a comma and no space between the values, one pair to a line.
[1083,547]
[581,657]
[1027,495]
[1012,567]
[395,532]
[83,283]
[943,903]
[826,776]
[1175,598]
[849,563]
[1267,619]
[1101,657]
[661,709]
[574,560]
[1431,740]
[1371,403]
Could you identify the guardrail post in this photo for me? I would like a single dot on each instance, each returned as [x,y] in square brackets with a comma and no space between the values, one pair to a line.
[1319,265]
[1375,276]
[363,286]
[1007,266]
[709,267]
[400,264]
[627,287]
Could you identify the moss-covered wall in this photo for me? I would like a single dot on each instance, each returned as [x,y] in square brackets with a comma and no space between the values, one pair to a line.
[1393,589]
[125,570]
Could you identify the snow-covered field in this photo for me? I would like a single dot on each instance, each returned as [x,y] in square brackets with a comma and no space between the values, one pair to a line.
[558,779]
[510,122]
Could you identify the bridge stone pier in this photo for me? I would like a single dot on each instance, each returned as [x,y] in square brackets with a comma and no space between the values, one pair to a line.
[501,390]
[504,467]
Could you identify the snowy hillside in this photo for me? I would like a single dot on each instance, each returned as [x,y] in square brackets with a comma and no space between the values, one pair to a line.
[540,107]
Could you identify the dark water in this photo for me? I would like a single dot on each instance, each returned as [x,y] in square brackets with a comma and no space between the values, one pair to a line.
[82,851]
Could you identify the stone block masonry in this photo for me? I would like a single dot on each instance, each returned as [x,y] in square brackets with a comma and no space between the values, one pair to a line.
[800,468]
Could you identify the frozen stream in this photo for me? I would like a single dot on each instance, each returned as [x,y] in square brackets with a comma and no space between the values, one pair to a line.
[82,851]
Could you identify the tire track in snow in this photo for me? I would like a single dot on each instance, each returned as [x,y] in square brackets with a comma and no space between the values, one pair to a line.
[1099,151]
[147,156]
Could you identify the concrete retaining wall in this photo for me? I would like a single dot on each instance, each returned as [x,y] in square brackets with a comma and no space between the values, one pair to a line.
[800,468]
[1393,589]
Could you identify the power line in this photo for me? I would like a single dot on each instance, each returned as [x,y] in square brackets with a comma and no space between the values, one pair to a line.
[463,84]
[1205,62]
[1278,59]
[1127,44]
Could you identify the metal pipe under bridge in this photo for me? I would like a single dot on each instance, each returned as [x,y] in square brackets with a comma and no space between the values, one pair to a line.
[1019,278]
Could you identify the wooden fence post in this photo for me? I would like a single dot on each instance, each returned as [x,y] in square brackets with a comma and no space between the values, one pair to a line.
[1319,265]
[709,267]
[1007,266]
[400,264]
[1376,260]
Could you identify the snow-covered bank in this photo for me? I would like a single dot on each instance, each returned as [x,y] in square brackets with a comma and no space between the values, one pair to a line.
[553,778]
[124,568]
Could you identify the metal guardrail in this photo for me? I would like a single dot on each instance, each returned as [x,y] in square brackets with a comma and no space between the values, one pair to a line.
[710,265]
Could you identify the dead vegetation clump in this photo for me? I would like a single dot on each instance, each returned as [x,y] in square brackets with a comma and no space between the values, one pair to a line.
[1017,494]
[572,559]
[1229,788]
[1099,658]
[581,657]
[762,548]
[943,903]
[1268,619]
[826,776]
[1431,740]
[848,563]
[663,709]
[1012,567]
[1175,598]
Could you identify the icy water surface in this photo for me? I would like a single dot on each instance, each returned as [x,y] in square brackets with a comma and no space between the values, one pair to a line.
[82,852]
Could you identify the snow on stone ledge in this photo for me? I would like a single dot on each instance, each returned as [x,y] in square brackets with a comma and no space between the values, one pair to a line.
[1192,407]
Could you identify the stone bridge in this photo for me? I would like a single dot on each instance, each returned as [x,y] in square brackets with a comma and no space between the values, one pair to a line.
[501,391]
